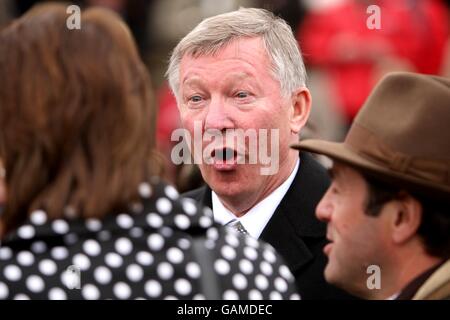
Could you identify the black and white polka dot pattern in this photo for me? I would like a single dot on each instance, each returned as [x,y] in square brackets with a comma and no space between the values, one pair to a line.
[146,253]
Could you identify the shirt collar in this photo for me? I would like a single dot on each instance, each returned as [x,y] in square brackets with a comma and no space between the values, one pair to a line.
[255,220]
[393,297]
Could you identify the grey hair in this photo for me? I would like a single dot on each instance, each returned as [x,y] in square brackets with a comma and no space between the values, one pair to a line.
[216,32]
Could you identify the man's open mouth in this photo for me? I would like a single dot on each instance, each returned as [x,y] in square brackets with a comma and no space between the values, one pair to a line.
[224,159]
[224,155]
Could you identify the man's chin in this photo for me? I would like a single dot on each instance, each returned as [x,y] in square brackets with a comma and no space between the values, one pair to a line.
[231,184]
[343,279]
[223,189]
[331,274]
[215,178]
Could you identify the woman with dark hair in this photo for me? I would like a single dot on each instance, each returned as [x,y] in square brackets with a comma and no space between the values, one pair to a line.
[84,209]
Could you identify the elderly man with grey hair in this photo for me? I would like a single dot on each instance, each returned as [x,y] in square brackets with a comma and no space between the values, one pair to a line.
[241,75]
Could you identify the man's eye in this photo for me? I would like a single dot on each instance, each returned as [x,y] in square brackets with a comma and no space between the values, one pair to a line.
[195,99]
[242,94]
[334,190]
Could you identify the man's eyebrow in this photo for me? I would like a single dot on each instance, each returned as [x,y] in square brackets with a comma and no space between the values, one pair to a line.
[192,80]
[195,80]
[244,78]
[333,172]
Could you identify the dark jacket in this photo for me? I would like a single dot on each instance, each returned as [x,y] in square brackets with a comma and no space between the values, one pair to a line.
[295,232]
[163,247]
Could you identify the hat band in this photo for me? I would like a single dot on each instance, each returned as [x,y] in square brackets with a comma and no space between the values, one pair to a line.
[370,147]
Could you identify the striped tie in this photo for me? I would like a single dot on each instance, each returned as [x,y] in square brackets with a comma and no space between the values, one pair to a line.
[237,225]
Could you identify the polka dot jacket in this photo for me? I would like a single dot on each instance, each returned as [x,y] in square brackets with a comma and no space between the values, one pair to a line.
[165,247]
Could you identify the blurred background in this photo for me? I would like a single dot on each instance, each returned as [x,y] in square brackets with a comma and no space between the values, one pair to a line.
[343,57]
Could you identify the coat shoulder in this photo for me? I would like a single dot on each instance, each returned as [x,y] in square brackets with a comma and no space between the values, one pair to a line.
[195,194]
[437,287]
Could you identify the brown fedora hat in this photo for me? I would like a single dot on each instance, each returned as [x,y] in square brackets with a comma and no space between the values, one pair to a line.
[401,134]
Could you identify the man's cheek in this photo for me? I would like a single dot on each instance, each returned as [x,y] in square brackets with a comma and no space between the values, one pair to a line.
[185,120]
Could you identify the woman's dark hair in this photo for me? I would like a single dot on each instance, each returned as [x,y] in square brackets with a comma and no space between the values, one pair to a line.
[435,224]
[76,115]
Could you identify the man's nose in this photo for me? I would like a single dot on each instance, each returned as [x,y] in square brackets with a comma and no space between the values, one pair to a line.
[218,116]
[324,208]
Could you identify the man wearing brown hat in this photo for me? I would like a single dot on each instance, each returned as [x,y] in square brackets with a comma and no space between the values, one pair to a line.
[387,209]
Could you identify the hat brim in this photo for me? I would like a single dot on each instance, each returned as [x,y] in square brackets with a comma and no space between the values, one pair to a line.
[345,154]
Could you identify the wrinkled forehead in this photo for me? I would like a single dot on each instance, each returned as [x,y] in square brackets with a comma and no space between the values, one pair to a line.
[240,59]
[234,43]
[251,49]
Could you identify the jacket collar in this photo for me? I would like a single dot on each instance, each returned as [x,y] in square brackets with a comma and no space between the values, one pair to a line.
[294,224]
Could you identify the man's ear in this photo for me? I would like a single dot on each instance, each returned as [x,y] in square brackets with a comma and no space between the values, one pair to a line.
[406,218]
[300,109]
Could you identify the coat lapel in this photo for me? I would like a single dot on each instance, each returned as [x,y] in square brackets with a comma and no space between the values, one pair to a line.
[294,225]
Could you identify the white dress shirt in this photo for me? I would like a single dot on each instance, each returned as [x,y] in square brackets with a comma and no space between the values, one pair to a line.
[255,220]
